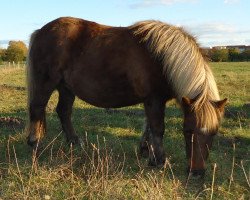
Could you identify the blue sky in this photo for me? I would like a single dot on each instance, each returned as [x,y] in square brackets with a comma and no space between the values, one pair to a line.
[213,22]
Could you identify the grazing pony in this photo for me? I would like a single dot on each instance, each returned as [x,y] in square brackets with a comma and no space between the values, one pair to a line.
[149,62]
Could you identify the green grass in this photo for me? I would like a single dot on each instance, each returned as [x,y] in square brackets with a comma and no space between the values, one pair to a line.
[107,165]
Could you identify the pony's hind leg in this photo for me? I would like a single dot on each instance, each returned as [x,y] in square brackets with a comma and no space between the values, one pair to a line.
[153,137]
[39,96]
[64,111]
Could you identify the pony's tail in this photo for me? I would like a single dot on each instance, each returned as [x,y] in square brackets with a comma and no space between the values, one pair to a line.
[29,70]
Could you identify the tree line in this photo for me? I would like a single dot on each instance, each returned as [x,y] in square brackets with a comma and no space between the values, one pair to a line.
[227,55]
[17,52]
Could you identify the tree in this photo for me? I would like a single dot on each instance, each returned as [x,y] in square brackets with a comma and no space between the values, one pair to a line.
[2,55]
[245,55]
[219,55]
[16,51]
[233,54]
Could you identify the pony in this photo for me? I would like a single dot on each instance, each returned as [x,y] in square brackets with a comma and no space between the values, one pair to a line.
[149,62]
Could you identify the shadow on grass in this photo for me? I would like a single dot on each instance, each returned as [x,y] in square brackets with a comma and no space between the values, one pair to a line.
[236,112]
[120,128]
[119,131]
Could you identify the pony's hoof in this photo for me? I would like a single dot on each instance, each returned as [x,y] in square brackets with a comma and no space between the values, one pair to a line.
[196,173]
[36,146]
[144,152]
[74,140]
[32,143]
[157,162]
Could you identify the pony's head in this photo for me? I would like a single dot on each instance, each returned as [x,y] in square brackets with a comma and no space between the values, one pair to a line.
[200,126]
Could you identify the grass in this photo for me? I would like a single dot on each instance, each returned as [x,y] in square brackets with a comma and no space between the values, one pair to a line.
[106,165]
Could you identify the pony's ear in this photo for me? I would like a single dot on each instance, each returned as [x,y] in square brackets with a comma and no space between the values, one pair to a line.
[221,104]
[187,101]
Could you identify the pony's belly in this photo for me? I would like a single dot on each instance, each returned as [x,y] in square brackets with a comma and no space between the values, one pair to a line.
[109,100]
[107,92]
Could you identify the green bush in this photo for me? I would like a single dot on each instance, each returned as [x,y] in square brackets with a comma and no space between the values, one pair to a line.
[219,55]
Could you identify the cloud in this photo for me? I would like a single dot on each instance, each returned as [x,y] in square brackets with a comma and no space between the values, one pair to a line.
[4,44]
[231,1]
[215,33]
[211,28]
[4,41]
[149,3]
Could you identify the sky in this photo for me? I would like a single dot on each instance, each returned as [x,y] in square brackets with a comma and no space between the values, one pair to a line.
[212,22]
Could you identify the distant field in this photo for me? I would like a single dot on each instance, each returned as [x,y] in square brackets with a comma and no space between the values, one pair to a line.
[107,166]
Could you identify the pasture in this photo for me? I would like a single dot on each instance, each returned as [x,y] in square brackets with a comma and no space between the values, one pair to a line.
[106,165]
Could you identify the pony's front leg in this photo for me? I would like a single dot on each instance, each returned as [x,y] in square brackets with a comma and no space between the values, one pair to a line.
[144,143]
[155,109]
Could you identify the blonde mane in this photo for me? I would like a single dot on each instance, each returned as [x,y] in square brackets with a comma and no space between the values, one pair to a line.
[183,65]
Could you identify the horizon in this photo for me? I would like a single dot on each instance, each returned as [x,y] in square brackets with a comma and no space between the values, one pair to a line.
[213,23]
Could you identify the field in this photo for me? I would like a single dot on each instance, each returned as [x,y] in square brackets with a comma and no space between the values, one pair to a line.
[106,165]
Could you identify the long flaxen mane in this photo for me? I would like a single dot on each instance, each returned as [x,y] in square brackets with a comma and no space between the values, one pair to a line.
[184,67]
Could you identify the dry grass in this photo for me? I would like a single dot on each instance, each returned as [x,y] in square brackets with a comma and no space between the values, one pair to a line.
[94,173]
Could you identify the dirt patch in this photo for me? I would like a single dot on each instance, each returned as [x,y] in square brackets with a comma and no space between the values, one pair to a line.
[15,122]
[246,105]
[126,112]
[12,87]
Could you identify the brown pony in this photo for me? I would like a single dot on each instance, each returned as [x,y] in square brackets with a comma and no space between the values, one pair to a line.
[149,62]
